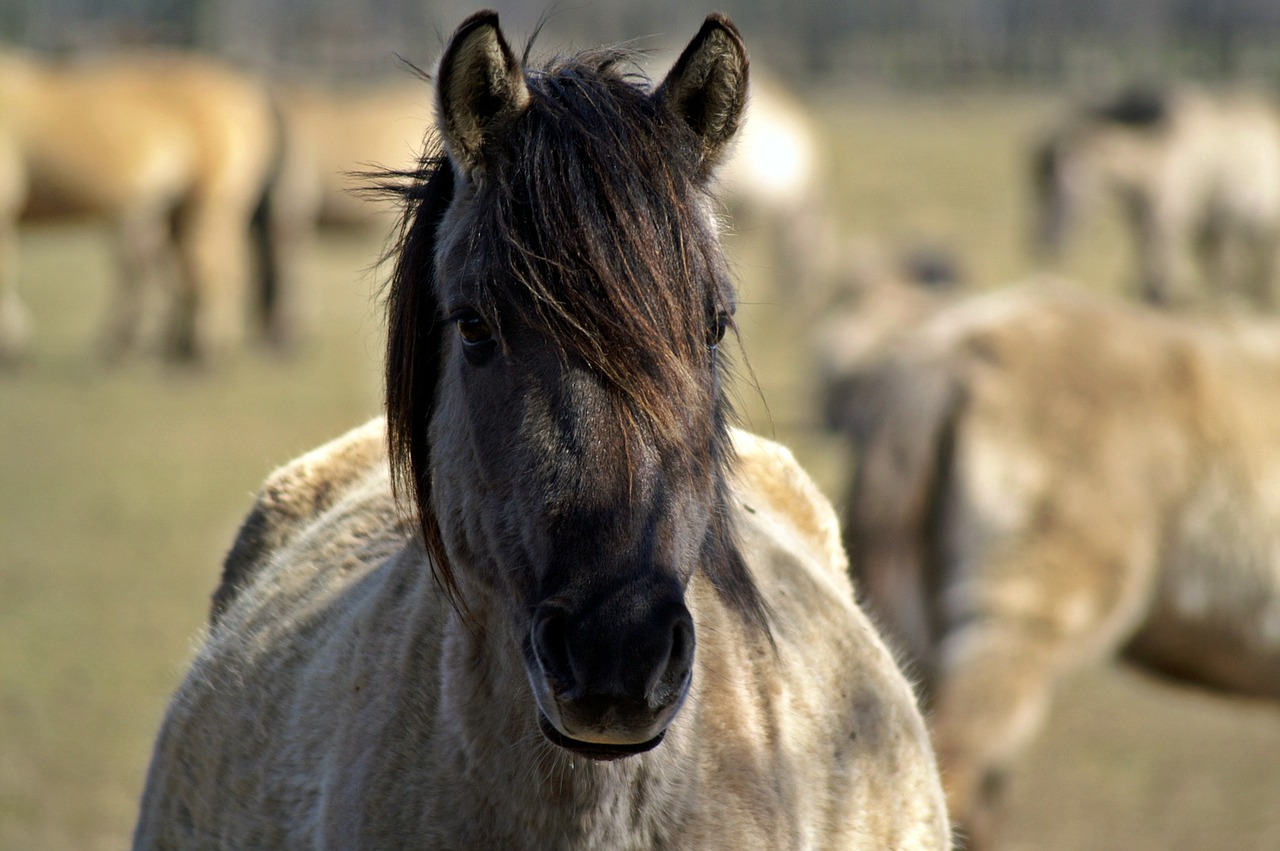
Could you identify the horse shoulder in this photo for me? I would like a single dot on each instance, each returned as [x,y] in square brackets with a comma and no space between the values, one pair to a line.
[771,480]
[291,498]
[833,695]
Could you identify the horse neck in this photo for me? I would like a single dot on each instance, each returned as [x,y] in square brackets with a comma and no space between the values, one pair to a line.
[487,705]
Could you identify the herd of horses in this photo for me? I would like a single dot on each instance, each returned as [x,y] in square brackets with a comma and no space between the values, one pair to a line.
[209,180]
[554,598]
[211,183]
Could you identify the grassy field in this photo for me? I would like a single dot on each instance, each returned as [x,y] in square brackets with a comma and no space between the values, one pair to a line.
[121,489]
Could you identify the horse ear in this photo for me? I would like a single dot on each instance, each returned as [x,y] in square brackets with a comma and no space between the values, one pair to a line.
[707,87]
[479,84]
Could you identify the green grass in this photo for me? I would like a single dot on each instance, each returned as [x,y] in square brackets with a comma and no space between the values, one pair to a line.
[121,489]
[119,492]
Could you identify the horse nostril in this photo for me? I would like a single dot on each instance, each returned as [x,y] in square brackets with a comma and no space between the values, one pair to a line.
[670,679]
[551,645]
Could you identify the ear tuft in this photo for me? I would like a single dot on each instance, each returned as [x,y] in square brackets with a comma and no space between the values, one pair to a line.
[479,86]
[707,87]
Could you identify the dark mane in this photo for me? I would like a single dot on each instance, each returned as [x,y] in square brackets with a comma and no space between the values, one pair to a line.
[1138,106]
[588,209]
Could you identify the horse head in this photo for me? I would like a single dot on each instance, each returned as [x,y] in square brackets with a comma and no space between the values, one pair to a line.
[555,400]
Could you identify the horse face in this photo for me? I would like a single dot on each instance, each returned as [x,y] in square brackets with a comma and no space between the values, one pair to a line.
[579,524]
[578,446]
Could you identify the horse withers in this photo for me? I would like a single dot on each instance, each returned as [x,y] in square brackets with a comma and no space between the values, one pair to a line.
[1047,478]
[171,151]
[607,619]
[1198,175]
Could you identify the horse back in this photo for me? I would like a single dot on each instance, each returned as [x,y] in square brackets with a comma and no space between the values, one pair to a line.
[993,429]
[293,497]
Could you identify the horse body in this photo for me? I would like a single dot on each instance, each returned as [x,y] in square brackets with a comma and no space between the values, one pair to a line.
[610,621]
[165,148]
[376,717]
[1046,479]
[336,133]
[333,139]
[1199,175]
[774,186]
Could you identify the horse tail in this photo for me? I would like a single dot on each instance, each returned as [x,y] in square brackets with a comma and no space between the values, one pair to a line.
[902,416]
[267,235]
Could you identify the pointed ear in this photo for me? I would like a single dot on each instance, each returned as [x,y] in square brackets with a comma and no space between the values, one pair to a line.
[707,87]
[479,85]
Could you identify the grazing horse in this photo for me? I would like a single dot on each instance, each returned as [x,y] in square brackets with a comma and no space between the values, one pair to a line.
[609,620]
[1047,478]
[775,188]
[333,137]
[1199,177]
[172,151]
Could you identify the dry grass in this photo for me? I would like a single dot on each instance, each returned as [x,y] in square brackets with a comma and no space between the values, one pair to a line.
[120,490]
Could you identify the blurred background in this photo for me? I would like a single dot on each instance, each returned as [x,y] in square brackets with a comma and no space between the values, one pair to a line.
[914,121]
[893,42]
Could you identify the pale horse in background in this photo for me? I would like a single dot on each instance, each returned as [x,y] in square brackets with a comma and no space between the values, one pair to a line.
[171,151]
[1198,174]
[336,138]
[1047,478]
[774,187]
[605,619]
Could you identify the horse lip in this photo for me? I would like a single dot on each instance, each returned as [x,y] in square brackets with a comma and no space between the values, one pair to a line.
[595,750]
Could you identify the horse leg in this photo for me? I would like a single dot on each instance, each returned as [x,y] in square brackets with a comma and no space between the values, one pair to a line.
[209,310]
[141,237]
[1047,608]
[989,700]
[1213,246]
[15,321]
[1263,243]
[1161,253]
[286,236]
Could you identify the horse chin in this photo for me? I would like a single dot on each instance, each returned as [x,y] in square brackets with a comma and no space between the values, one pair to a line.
[599,751]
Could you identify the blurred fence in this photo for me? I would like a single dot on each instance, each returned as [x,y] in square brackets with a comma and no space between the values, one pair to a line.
[892,42]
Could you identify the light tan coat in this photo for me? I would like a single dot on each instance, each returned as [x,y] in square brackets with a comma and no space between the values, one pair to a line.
[170,150]
[1047,478]
[339,702]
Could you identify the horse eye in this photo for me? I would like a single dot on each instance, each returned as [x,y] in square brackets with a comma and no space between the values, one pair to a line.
[717,330]
[473,329]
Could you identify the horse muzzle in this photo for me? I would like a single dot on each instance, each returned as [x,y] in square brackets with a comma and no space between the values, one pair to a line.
[610,681]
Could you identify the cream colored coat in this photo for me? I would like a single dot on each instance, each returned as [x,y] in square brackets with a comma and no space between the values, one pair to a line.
[339,702]
[131,141]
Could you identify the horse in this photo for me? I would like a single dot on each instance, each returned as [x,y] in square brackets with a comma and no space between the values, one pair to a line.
[171,151]
[333,138]
[774,188]
[1047,478]
[875,294]
[599,616]
[1198,175]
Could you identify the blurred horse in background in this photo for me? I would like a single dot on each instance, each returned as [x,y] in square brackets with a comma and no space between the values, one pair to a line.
[333,139]
[171,151]
[774,187]
[1199,178]
[872,296]
[1046,478]
[609,620]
